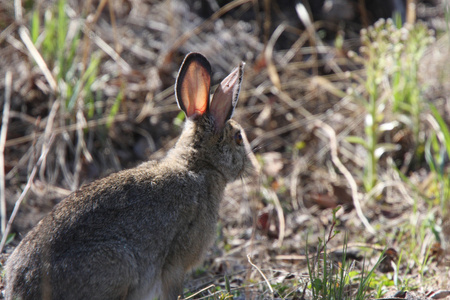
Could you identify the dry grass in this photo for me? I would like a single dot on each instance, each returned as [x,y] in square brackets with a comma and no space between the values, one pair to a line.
[297,105]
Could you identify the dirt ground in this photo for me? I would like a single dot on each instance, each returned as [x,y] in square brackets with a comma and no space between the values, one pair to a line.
[293,102]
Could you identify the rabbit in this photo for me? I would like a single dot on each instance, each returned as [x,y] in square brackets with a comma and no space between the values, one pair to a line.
[134,234]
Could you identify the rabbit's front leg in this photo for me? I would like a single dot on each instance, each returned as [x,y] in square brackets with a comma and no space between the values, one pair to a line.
[172,282]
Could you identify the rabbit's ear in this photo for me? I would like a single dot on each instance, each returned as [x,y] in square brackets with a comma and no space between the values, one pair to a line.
[193,84]
[226,97]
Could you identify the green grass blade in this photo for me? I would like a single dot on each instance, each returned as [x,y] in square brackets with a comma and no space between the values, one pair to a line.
[443,126]
[35,26]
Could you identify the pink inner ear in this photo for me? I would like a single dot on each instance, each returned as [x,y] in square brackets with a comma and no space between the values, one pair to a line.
[195,90]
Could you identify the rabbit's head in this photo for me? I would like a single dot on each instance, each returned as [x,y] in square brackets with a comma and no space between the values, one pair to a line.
[214,141]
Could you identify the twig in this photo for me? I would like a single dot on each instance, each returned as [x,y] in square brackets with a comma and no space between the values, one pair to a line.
[18,10]
[81,148]
[303,15]
[23,33]
[411,12]
[24,193]
[78,148]
[48,132]
[3,133]
[351,181]
[7,32]
[262,274]
[268,56]
[202,290]
[298,167]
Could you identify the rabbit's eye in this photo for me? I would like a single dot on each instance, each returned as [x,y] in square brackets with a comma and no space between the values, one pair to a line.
[238,138]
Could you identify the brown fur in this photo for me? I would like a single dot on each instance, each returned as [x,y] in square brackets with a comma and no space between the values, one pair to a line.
[135,233]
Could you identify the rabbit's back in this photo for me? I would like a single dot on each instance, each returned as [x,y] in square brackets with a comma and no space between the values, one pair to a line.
[134,234]
[120,232]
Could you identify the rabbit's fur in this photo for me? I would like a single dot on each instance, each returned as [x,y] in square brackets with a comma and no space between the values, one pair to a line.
[135,233]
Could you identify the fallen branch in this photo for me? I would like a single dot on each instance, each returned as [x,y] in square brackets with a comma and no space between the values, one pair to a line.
[351,181]
[262,274]
[3,134]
